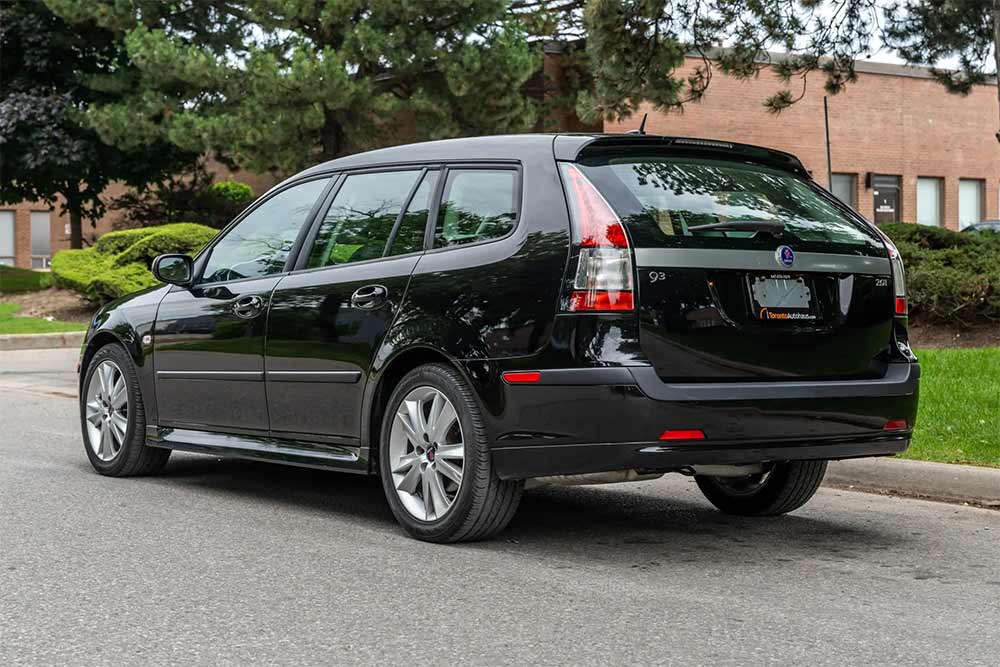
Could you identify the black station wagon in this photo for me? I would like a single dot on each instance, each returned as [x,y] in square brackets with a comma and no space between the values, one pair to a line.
[462,317]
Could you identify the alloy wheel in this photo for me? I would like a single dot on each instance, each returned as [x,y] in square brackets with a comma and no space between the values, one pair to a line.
[426,453]
[107,410]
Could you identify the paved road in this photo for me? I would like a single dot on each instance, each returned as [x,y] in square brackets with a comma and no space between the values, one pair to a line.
[221,562]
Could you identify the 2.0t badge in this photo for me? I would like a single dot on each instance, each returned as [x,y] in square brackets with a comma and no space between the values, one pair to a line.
[784,256]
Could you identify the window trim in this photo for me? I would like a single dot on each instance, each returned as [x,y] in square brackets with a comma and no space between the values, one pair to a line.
[473,166]
[201,259]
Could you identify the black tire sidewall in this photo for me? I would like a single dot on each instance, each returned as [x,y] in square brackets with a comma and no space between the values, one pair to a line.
[135,431]
[444,379]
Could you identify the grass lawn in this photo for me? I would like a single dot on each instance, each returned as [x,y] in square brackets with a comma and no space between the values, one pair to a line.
[9,324]
[959,416]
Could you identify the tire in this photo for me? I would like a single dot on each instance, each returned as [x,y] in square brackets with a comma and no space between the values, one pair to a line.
[786,487]
[481,504]
[132,456]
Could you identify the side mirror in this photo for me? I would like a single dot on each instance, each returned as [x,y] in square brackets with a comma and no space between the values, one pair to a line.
[174,269]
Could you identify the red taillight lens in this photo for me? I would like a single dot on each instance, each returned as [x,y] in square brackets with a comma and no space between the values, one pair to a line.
[522,377]
[901,305]
[597,226]
[683,434]
[582,300]
[895,425]
[603,280]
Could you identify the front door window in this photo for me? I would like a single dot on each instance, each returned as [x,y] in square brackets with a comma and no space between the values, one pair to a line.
[259,244]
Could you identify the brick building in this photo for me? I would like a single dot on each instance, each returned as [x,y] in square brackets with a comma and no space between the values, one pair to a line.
[902,147]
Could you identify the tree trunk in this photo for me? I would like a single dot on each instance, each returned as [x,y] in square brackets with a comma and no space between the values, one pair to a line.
[75,223]
[996,52]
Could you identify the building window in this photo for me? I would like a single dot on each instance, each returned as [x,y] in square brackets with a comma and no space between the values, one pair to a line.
[41,239]
[885,189]
[929,201]
[845,188]
[970,202]
[6,238]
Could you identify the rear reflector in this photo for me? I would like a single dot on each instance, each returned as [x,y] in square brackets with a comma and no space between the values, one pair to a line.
[901,305]
[522,377]
[585,300]
[688,434]
[895,425]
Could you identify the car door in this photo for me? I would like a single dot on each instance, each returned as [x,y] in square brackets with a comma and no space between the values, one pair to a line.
[208,340]
[328,319]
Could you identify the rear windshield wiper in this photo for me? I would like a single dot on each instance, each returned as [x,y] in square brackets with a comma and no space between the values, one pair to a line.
[772,227]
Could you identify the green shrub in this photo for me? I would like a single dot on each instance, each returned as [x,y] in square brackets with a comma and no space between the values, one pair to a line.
[233,192]
[952,278]
[118,264]
[186,237]
[13,279]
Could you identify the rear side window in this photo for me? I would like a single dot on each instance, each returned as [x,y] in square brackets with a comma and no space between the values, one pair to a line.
[663,200]
[358,223]
[477,205]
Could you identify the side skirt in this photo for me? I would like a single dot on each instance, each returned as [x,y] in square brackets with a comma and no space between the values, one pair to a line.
[261,448]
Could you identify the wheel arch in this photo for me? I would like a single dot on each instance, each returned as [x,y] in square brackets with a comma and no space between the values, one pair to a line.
[385,380]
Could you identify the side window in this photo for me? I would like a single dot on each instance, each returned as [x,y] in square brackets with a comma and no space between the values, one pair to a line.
[410,236]
[477,204]
[260,243]
[358,223]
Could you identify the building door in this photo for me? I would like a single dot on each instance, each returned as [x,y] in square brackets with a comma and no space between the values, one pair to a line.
[886,193]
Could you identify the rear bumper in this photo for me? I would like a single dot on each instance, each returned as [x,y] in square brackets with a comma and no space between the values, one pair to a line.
[545,460]
[601,419]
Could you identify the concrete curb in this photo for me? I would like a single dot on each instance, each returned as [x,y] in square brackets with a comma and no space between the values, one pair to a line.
[41,341]
[944,481]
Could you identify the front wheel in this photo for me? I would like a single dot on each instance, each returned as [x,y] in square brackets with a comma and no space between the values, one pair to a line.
[113,417]
[435,463]
[781,489]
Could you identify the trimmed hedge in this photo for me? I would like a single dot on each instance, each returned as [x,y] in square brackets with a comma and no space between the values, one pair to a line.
[118,263]
[13,279]
[952,278]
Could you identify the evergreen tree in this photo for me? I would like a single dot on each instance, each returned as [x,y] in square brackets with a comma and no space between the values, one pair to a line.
[636,47]
[280,84]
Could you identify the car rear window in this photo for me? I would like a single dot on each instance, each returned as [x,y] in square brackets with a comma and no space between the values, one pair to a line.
[663,199]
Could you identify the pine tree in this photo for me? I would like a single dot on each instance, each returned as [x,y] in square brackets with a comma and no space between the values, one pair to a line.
[280,84]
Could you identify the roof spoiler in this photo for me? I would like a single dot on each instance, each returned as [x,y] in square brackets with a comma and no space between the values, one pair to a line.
[576,147]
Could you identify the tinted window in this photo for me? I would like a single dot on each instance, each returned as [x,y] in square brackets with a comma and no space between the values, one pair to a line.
[358,223]
[477,204]
[260,243]
[663,200]
[410,237]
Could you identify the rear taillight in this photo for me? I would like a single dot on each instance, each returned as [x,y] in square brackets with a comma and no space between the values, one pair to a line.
[603,279]
[898,276]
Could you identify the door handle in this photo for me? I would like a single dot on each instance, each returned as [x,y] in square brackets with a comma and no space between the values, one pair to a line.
[248,307]
[369,297]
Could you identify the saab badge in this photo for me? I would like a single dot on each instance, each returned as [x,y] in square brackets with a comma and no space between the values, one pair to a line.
[784,256]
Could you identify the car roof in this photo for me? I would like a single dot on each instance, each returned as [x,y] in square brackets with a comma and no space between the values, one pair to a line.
[523,146]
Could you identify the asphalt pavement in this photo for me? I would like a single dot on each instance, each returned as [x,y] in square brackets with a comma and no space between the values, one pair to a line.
[221,562]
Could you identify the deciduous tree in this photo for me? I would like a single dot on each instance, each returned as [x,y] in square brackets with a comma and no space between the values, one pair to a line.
[51,71]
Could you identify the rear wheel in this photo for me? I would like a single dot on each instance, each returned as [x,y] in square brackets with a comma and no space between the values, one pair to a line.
[781,489]
[435,464]
[113,417]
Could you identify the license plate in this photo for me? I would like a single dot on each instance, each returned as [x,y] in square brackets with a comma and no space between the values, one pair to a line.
[781,297]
